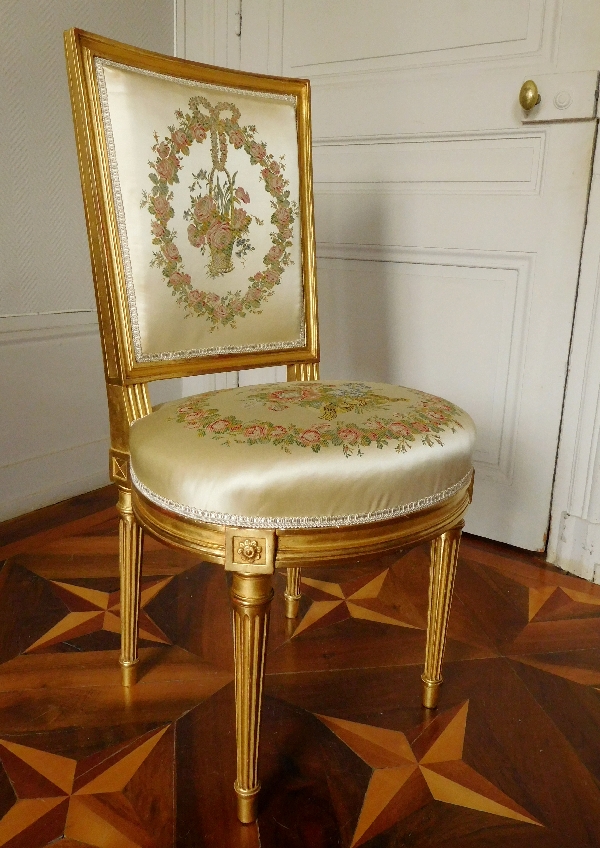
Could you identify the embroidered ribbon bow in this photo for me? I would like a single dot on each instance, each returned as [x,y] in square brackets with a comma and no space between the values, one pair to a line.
[217,127]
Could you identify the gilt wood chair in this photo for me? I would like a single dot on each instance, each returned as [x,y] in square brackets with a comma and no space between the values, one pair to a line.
[198,199]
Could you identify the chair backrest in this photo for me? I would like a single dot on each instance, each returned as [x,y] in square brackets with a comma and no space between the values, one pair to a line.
[198,197]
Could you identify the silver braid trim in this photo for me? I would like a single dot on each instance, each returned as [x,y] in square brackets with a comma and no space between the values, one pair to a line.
[292,522]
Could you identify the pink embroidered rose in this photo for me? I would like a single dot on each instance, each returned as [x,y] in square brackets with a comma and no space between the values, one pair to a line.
[419,426]
[237,306]
[198,132]
[212,298]
[166,168]
[271,276]
[310,437]
[163,150]
[194,418]
[274,167]
[285,234]
[283,215]
[255,431]
[258,151]
[179,279]
[242,195]
[253,295]
[220,311]
[171,252]
[399,429]
[275,253]
[218,235]
[195,238]
[349,435]
[275,183]
[196,297]
[162,207]
[236,137]
[203,208]
[157,229]
[180,140]
[239,219]
[278,432]
[219,426]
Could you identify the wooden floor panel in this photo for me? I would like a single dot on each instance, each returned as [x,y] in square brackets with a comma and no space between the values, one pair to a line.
[348,756]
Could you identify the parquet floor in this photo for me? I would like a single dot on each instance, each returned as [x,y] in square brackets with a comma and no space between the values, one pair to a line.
[348,757]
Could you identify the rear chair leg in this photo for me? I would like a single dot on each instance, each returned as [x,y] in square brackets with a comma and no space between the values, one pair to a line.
[444,557]
[292,593]
[251,599]
[130,562]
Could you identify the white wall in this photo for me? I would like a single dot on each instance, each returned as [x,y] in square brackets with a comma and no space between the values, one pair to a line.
[53,420]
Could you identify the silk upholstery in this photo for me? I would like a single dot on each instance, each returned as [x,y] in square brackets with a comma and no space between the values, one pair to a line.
[211,457]
[135,105]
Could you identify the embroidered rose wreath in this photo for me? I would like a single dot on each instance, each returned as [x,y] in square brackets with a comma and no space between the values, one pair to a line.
[218,221]
[426,418]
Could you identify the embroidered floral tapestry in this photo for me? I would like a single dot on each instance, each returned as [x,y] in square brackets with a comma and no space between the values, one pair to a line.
[219,214]
[349,416]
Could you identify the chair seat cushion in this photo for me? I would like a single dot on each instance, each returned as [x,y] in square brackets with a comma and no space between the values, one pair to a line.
[304,454]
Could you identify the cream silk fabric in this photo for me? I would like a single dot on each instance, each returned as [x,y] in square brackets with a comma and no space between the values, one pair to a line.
[135,106]
[310,454]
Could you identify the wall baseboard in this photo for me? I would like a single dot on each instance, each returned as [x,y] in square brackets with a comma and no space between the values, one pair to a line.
[44,480]
[578,548]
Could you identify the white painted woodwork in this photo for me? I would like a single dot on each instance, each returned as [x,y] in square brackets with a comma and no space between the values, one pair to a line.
[53,417]
[566,96]
[54,433]
[450,222]
[574,541]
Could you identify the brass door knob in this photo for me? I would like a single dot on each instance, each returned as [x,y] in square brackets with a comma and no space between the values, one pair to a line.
[529,95]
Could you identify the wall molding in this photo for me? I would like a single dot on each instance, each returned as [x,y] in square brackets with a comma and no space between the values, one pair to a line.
[47,325]
[58,475]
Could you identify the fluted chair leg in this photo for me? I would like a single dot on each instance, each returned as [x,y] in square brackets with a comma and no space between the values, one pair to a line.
[251,596]
[130,562]
[444,557]
[292,593]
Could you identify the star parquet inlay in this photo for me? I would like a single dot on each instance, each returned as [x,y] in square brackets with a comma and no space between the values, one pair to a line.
[82,800]
[337,602]
[410,771]
[348,756]
[91,610]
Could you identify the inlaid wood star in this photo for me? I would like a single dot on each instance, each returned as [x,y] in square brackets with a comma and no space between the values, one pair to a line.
[358,598]
[580,668]
[82,800]
[410,770]
[91,610]
[550,596]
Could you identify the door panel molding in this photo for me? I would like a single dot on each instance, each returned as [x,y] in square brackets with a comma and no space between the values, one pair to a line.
[503,308]
[489,163]
[432,32]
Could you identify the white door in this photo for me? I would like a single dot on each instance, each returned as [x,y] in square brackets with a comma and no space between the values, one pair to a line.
[449,231]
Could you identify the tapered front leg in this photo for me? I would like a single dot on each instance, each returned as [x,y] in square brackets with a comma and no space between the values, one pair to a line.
[292,593]
[444,557]
[130,563]
[251,596]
